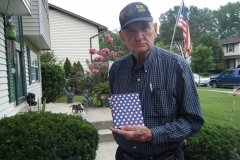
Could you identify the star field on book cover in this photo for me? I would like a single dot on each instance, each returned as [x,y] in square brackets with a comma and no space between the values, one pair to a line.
[126,110]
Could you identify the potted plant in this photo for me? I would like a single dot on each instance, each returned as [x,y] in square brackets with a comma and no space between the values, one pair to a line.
[101,93]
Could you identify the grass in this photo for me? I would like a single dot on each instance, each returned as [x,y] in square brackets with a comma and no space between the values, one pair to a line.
[76,99]
[217,106]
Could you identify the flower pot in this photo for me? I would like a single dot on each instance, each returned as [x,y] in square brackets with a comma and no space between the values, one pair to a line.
[104,100]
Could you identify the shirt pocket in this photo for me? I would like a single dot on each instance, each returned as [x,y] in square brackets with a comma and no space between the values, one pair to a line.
[164,108]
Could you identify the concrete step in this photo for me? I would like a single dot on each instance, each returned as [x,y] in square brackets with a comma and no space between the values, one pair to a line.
[102,124]
[103,130]
[105,135]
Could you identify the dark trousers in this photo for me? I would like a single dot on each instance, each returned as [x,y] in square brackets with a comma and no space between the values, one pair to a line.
[170,155]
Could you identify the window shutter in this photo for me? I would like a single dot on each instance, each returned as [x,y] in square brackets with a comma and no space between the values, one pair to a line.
[39,67]
[29,66]
[11,69]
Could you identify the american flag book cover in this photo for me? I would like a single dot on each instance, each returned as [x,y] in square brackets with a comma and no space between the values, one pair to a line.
[126,110]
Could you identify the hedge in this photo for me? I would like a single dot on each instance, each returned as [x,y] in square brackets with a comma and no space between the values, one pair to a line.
[214,142]
[47,135]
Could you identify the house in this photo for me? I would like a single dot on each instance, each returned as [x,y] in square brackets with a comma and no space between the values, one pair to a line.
[72,35]
[231,48]
[24,32]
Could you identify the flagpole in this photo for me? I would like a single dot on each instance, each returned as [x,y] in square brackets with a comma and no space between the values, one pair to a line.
[180,8]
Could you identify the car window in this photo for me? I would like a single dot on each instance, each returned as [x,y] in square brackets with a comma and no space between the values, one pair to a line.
[228,73]
[195,76]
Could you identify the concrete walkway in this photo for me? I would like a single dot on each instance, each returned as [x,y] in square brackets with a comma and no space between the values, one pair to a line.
[106,150]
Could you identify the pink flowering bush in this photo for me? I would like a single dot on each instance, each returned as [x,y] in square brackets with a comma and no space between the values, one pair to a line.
[100,63]
[98,67]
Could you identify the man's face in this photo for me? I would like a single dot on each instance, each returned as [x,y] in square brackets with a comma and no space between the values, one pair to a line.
[139,36]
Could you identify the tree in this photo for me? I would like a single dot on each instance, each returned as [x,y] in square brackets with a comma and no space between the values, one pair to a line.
[200,22]
[227,19]
[167,21]
[53,81]
[210,41]
[201,59]
[67,68]
[48,57]
[77,74]
[77,69]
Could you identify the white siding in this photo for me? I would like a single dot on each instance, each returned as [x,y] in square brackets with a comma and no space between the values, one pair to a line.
[32,23]
[5,107]
[45,30]
[36,27]
[70,37]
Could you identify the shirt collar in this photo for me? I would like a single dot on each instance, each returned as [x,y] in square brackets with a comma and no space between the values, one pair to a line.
[147,63]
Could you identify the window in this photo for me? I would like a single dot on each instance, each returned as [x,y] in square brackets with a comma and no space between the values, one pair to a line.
[33,66]
[228,73]
[230,48]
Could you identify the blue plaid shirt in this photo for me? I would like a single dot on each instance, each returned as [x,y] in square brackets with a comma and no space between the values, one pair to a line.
[168,96]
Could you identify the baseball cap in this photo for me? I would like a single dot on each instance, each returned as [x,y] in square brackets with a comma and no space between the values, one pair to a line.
[134,12]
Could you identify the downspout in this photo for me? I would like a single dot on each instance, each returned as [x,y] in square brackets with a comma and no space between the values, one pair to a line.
[93,37]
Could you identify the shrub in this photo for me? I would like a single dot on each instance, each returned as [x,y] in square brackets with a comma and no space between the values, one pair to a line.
[47,135]
[67,68]
[214,142]
[53,81]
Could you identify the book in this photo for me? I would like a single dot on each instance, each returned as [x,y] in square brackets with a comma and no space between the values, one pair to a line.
[126,110]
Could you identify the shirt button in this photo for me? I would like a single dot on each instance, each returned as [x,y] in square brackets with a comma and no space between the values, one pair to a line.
[134,147]
[138,79]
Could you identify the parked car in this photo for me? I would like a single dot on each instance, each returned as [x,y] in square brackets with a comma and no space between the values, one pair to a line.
[201,81]
[227,78]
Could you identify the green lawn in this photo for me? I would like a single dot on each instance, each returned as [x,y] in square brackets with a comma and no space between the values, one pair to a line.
[76,99]
[217,106]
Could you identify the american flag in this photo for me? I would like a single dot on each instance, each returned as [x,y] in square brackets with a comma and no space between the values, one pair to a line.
[183,23]
[126,110]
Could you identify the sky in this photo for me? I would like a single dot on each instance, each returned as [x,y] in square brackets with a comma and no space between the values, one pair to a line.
[106,12]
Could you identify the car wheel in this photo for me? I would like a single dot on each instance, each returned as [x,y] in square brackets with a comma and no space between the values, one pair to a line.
[214,84]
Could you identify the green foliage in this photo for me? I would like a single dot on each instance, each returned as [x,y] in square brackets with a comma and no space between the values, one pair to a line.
[53,81]
[48,57]
[67,68]
[201,59]
[161,45]
[46,135]
[101,88]
[201,22]
[221,23]
[228,20]
[167,21]
[77,73]
[210,41]
[214,142]
[77,69]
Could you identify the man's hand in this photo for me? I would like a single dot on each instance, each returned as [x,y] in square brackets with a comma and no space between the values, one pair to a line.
[134,133]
